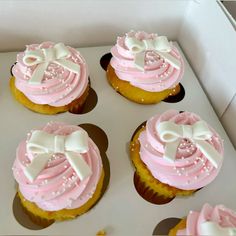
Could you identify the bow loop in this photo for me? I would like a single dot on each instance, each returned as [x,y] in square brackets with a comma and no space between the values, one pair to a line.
[160,45]
[168,131]
[61,51]
[40,142]
[32,58]
[201,131]
[134,45]
[45,145]
[198,133]
[77,141]
[43,57]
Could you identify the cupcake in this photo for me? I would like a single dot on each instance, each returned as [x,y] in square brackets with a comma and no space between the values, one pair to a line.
[59,172]
[216,221]
[50,78]
[175,154]
[145,68]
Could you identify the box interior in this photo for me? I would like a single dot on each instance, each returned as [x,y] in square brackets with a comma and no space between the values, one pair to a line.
[121,211]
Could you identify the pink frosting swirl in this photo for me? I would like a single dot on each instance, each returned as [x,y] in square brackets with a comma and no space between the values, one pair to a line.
[158,75]
[191,169]
[59,86]
[58,186]
[219,214]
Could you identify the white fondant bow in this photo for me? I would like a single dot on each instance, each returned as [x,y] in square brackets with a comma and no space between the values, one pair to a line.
[159,45]
[212,228]
[45,145]
[172,133]
[42,57]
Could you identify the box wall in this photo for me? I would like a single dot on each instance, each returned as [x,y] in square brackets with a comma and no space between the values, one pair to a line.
[84,23]
[208,39]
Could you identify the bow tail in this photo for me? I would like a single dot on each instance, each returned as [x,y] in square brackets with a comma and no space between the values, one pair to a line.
[36,166]
[170,150]
[69,65]
[79,165]
[38,73]
[170,59]
[139,60]
[211,154]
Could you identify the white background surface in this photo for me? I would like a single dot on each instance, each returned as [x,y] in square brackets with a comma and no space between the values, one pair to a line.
[121,211]
[200,27]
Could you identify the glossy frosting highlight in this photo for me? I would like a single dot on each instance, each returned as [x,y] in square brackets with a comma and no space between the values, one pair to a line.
[219,214]
[57,185]
[158,75]
[59,86]
[191,169]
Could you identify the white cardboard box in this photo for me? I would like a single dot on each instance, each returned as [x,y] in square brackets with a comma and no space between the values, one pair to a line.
[121,210]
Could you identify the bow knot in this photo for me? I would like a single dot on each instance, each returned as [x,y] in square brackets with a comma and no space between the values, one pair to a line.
[59,144]
[44,145]
[49,54]
[187,131]
[198,133]
[43,57]
[160,45]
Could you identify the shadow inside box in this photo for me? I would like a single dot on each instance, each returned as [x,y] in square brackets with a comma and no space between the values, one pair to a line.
[176,98]
[105,60]
[24,218]
[164,226]
[89,105]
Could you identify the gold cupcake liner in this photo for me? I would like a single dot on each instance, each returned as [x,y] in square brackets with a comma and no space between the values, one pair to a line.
[75,106]
[136,94]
